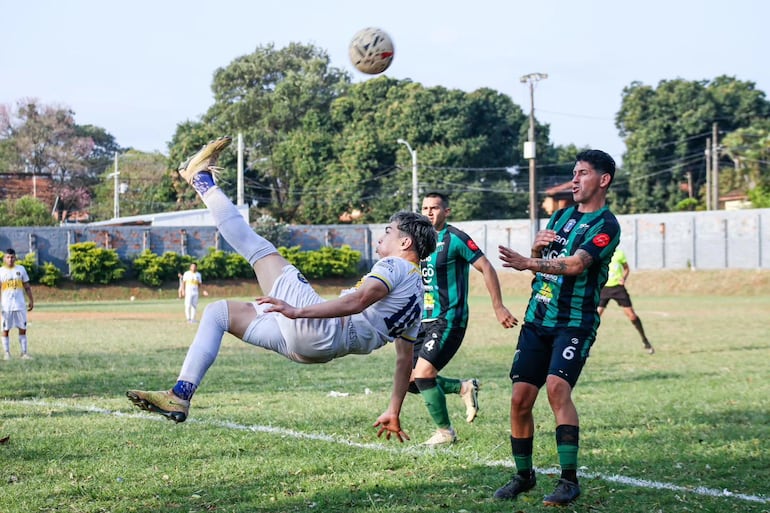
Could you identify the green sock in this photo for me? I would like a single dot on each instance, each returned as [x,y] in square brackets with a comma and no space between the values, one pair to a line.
[521,450]
[567,443]
[449,385]
[435,400]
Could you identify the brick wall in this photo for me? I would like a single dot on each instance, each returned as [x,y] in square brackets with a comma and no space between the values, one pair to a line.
[16,185]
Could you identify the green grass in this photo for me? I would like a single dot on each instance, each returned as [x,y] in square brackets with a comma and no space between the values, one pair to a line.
[659,433]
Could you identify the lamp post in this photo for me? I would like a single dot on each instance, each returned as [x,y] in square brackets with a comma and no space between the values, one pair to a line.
[413,153]
[529,150]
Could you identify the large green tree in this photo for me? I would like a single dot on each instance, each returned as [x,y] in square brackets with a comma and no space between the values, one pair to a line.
[319,149]
[464,142]
[665,130]
[274,97]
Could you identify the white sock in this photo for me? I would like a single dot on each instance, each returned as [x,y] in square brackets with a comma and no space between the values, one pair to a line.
[234,227]
[6,344]
[23,343]
[205,347]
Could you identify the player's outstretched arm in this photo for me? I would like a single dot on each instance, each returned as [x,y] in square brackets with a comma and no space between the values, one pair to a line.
[389,422]
[568,266]
[370,291]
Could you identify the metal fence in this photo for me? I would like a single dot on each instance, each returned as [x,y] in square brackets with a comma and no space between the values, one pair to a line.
[695,240]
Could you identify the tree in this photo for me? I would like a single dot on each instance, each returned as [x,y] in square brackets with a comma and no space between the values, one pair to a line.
[144,187]
[666,129]
[269,96]
[44,139]
[749,150]
[465,143]
[25,211]
[318,147]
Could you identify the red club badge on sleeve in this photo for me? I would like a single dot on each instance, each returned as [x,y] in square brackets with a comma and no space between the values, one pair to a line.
[601,240]
[472,245]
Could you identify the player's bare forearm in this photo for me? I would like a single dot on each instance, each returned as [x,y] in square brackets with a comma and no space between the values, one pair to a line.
[569,266]
[389,423]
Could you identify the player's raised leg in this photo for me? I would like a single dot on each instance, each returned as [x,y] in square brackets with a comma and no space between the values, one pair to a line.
[199,171]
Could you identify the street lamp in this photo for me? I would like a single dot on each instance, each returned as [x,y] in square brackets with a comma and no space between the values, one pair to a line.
[529,150]
[413,153]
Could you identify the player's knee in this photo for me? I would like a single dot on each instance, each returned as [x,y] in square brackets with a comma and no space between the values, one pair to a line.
[425,383]
[218,314]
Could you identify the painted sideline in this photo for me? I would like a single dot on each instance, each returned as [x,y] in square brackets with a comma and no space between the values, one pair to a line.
[412,449]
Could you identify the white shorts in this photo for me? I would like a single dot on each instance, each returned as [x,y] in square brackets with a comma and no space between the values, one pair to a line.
[15,319]
[300,340]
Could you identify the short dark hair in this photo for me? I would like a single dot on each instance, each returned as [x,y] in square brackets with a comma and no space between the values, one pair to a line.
[418,228]
[444,198]
[10,251]
[600,160]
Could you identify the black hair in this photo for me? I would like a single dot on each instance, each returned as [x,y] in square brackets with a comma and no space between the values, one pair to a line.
[418,228]
[10,251]
[444,198]
[600,160]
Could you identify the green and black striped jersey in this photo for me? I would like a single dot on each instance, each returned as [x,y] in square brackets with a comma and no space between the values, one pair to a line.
[570,301]
[445,276]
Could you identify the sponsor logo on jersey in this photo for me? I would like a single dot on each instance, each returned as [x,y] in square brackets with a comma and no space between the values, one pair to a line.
[388,263]
[582,228]
[472,245]
[570,224]
[601,240]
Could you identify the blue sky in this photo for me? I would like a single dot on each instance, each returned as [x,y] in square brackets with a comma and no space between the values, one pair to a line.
[138,68]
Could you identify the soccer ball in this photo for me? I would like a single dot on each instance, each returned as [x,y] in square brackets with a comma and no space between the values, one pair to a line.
[371,51]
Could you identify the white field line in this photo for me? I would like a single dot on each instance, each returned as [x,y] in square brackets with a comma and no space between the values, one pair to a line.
[396,449]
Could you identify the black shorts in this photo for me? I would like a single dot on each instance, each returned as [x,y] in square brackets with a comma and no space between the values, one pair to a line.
[618,293]
[542,351]
[438,343]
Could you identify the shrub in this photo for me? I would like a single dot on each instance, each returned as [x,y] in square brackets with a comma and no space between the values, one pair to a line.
[51,275]
[47,274]
[154,270]
[325,262]
[213,266]
[90,264]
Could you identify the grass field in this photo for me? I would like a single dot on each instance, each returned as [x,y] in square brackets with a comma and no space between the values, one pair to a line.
[684,430]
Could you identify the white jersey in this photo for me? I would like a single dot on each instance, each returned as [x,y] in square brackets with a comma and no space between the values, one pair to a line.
[318,340]
[397,314]
[191,282]
[12,280]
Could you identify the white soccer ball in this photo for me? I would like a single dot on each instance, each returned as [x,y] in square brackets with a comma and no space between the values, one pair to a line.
[132,298]
[371,50]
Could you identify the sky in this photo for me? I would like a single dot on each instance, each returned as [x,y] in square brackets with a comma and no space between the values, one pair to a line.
[139,68]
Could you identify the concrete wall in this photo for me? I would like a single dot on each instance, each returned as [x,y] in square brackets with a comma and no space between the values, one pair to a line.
[701,240]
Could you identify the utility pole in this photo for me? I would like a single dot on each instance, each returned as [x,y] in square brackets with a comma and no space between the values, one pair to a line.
[415,183]
[715,164]
[239,185]
[116,194]
[708,173]
[530,151]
